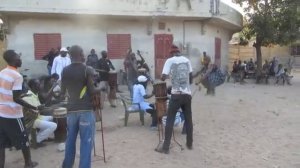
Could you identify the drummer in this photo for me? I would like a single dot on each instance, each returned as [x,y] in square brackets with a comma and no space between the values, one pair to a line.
[143,71]
[139,96]
[104,66]
[45,124]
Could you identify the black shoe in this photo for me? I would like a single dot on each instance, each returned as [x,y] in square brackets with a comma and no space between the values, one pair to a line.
[190,147]
[32,165]
[162,150]
[38,145]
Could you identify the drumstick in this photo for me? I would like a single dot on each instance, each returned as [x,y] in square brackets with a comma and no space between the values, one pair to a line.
[100,70]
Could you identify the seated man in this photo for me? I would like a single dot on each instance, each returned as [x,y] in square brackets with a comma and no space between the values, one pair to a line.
[49,90]
[43,123]
[279,74]
[287,77]
[139,94]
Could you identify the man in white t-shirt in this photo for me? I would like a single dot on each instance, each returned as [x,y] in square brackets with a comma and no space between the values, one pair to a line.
[179,69]
[60,62]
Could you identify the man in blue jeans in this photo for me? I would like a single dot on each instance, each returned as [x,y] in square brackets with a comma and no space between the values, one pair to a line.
[77,82]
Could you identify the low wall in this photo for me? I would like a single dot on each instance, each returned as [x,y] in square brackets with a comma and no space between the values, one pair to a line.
[244,53]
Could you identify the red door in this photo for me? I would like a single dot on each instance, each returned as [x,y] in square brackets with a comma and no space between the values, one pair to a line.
[162,43]
[218,51]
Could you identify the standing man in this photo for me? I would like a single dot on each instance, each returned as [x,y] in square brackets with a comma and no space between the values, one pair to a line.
[103,66]
[60,62]
[179,69]
[77,81]
[12,127]
[130,64]
[92,59]
[50,58]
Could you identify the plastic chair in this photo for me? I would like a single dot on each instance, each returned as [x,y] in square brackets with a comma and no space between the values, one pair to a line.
[130,107]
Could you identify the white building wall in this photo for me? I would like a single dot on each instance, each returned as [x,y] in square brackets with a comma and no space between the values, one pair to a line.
[91,33]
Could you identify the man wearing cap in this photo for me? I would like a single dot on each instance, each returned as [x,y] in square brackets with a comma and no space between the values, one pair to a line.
[178,68]
[139,96]
[60,62]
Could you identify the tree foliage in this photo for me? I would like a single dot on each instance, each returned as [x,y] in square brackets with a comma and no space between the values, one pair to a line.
[270,22]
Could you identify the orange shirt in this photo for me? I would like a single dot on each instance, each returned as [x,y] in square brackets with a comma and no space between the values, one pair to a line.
[10,79]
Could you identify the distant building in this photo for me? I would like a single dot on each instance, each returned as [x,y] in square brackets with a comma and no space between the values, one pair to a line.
[34,27]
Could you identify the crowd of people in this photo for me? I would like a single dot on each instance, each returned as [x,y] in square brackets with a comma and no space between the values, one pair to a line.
[242,70]
[71,79]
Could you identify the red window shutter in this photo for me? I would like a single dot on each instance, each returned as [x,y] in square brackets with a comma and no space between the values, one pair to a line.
[43,42]
[117,45]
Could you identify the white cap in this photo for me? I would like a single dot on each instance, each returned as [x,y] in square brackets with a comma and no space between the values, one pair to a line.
[142,78]
[64,49]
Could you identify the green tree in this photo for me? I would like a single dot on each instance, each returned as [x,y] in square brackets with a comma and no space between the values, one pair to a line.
[270,22]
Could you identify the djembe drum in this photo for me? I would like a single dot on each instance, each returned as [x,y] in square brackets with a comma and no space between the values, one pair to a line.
[97,105]
[60,118]
[160,92]
[112,82]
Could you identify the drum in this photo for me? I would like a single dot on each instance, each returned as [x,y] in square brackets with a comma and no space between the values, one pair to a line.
[142,71]
[161,107]
[97,106]
[112,78]
[160,90]
[60,118]
[112,82]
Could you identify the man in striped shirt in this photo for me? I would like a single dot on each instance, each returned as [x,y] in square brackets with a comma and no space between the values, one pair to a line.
[12,129]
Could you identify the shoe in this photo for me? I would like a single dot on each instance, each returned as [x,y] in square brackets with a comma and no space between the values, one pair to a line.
[153,128]
[113,106]
[190,147]
[49,140]
[162,150]
[39,145]
[32,165]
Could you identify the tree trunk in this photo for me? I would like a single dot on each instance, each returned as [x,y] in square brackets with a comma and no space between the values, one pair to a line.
[258,57]
[257,46]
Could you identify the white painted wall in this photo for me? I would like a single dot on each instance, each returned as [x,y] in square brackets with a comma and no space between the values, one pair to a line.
[91,33]
[149,8]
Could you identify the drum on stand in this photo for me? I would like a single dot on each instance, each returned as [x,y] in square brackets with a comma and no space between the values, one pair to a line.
[112,82]
[160,92]
[60,118]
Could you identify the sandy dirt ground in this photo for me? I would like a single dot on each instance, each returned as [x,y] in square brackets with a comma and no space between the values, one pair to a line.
[243,126]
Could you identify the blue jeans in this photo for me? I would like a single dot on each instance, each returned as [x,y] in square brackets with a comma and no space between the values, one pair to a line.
[84,122]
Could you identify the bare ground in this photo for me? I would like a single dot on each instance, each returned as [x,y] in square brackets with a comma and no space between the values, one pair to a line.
[243,126]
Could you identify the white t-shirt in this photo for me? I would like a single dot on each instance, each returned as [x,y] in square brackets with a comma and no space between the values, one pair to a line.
[179,68]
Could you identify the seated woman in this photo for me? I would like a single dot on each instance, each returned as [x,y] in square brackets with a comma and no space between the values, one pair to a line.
[139,96]
[45,124]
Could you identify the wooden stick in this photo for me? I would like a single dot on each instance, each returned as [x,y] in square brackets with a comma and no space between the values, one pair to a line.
[103,149]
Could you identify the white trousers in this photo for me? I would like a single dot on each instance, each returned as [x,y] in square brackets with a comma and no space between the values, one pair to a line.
[46,127]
